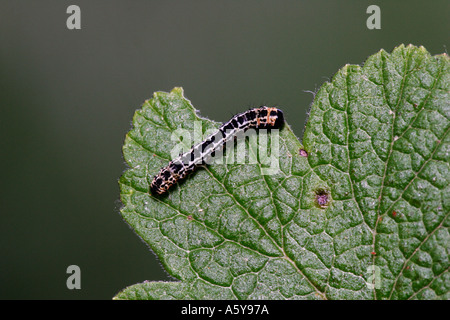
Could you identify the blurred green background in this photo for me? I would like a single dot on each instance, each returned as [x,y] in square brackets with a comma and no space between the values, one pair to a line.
[68,97]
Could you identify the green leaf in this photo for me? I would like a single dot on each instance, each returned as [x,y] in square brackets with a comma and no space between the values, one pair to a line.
[378,152]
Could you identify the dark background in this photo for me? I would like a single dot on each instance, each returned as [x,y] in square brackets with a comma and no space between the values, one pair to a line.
[68,97]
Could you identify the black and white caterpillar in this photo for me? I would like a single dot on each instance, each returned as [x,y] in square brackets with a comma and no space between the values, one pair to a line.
[177,169]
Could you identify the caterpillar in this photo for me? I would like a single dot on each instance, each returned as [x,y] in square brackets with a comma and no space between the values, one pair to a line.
[177,169]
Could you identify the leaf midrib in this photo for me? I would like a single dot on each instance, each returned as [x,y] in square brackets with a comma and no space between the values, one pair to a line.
[379,214]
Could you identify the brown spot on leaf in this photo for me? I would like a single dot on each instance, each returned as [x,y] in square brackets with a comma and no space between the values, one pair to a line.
[322,198]
[303,153]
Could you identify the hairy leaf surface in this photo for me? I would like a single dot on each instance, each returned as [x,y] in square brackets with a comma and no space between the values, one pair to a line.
[377,147]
